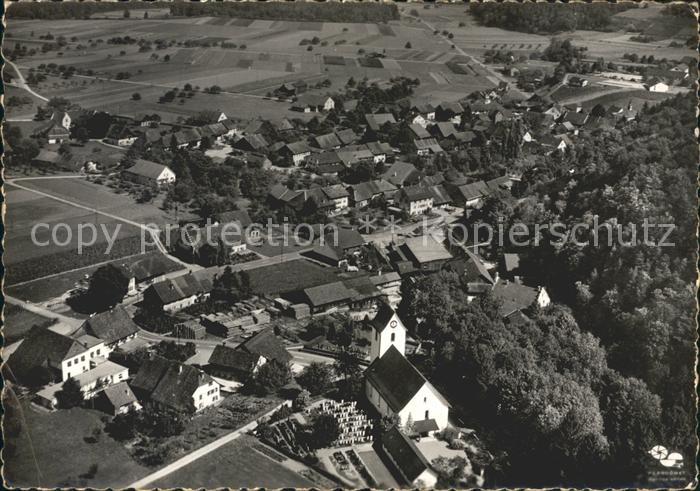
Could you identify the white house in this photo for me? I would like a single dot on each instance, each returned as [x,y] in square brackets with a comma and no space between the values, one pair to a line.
[657,87]
[416,200]
[150,173]
[114,327]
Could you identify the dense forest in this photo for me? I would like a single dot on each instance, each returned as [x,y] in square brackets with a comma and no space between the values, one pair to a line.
[543,17]
[298,11]
[580,391]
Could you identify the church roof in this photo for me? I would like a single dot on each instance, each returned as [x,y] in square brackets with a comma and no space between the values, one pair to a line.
[395,378]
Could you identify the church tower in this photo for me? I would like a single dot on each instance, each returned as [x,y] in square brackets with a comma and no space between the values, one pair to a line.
[387,330]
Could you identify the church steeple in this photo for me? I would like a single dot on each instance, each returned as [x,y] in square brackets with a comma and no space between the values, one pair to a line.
[387,330]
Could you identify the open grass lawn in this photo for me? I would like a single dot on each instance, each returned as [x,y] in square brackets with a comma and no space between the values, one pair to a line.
[18,321]
[48,450]
[636,97]
[566,92]
[235,465]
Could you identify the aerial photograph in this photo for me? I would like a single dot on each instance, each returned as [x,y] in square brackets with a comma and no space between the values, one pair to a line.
[349,245]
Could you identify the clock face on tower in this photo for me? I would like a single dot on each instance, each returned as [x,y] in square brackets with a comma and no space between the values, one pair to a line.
[393,323]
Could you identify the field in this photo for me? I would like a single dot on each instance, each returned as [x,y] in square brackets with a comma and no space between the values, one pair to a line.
[259,57]
[236,465]
[47,288]
[636,97]
[26,209]
[18,321]
[288,276]
[48,450]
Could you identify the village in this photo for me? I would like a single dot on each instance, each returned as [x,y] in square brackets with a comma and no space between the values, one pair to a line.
[271,317]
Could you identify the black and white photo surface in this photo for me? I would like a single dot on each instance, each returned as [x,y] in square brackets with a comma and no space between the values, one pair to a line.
[418,245]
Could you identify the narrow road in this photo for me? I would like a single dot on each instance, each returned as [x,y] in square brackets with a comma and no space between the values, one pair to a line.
[199,453]
[44,312]
[22,83]
[154,233]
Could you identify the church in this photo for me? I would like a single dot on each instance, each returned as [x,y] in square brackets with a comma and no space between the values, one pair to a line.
[394,386]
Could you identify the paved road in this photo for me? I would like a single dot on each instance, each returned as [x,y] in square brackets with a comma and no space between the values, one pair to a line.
[197,454]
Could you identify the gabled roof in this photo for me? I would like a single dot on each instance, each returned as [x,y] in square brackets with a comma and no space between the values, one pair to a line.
[146,168]
[184,286]
[376,121]
[395,378]
[419,131]
[43,345]
[297,148]
[119,395]
[384,315]
[440,195]
[379,148]
[405,454]
[367,190]
[428,144]
[346,136]
[110,326]
[445,129]
[511,261]
[327,141]
[255,141]
[399,172]
[336,191]
[514,296]
[474,190]
[233,358]
[425,248]
[344,238]
[266,343]
[416,193]
[169,382]
[450,107]
[319,296]
[311,100]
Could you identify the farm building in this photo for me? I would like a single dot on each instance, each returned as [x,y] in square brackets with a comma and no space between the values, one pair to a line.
[401,174]
[363,193]
[418,254]
[150,173]
[114,327]
[313,103]
[471,194]
[175,385]
[241,362]
[117,399]
[59,357]
[415,200]
[176,293]
[410,463]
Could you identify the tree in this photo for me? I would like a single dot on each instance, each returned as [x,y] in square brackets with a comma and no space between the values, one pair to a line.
[231,286]
[317,378]
[135,96]
[108,286]
[126,14]
[302,400]
[270,377]
[324,431]
[174,351]
[70,394]
[408,45]
[145,14]
[162,421]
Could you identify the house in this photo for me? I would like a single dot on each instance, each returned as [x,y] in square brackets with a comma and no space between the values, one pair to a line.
[408,460]
[385,330]
[309,103]
[577,82]
[117,399]
[174,294]
[150,173]
[379,151]
[419,131]
[242,361]
[376,121]
[348,240]
[102,374]
[443,130]
[423,113]
[57,355]
[346,136]
[296,152]
[427,146]
[56,134]
[175,385]
[575,118]
[515,297]
[121,135]
[415,200]
[449,111]
[363,193]
[394,386]
[251,143]
[555,142]
[473,273]
[114,327]
[471,194]
[441,197]
[655,85]
[402,173]
[291,89]
[338,195]
[327,141]
[510,265]
[323,298]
